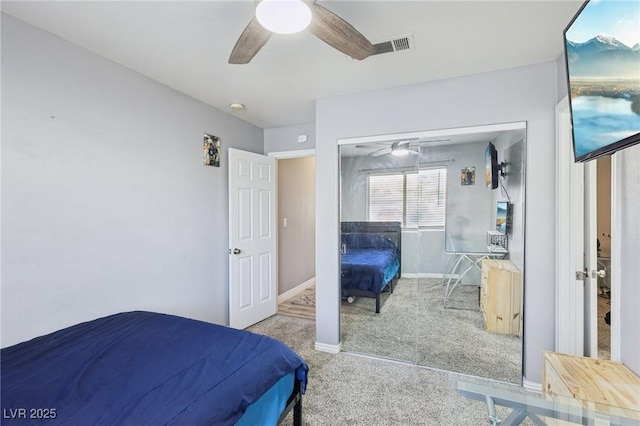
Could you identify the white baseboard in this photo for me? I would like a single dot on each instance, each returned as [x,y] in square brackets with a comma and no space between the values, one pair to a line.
[332,349]
[426,275]
[532,386]
[296,290]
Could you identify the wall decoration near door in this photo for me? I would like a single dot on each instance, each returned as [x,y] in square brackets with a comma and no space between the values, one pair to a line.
[211,150]
[468,176]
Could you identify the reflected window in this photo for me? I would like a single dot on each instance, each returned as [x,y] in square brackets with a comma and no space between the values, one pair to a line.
[415,198]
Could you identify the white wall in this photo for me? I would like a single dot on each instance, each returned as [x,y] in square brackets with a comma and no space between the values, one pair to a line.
[629,201]
[469,207]
[563,86]
[106,205]
[524,94]
[278,139]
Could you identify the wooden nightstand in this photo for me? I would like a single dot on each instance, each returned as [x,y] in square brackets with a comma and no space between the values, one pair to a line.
[501,296]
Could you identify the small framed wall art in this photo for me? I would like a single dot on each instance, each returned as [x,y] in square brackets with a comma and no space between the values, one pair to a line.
[468,176]
[211,150]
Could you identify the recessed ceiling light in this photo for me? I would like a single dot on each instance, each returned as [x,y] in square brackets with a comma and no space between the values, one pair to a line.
[236,105]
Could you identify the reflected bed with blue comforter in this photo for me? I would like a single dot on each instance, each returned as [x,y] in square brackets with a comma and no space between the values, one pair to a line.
[369,262]
[142,368]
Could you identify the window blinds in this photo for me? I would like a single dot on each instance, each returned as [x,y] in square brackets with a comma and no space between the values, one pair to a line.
[417,199]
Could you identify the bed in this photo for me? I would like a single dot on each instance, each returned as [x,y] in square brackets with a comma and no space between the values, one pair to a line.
[142,368]
[370,259]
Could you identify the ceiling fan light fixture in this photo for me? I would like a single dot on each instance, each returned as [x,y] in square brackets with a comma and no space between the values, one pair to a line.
[399,151]
[283,16]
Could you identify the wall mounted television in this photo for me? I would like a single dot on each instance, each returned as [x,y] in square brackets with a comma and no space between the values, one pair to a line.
[602,58]
[503,217]
[492,168]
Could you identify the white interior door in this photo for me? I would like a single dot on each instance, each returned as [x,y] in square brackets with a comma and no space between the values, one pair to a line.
[576,247]
[252,238]
[569,240]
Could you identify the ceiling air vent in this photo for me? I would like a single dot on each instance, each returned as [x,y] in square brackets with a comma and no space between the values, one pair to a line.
[398,44]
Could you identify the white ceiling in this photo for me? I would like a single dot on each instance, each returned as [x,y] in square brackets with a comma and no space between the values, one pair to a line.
[186,45]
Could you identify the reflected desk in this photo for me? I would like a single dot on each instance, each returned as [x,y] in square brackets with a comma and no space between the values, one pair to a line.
[451,276]
[542,411]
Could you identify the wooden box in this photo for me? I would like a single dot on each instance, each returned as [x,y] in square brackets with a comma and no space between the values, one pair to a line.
[501,296]
[596,384]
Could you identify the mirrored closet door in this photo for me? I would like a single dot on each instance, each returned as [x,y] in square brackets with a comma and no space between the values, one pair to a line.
[421,216]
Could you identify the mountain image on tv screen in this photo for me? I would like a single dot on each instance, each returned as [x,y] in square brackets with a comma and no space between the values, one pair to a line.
[603,63]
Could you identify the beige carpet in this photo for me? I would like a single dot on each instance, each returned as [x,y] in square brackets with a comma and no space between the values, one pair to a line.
[301,306]
[345,389]
[414,327]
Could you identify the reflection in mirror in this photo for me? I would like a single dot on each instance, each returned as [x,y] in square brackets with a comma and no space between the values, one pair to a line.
[438,304]
[373,180]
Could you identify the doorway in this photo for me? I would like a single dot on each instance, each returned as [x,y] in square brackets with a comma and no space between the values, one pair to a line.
[603,213]
[583,293]
[296,233]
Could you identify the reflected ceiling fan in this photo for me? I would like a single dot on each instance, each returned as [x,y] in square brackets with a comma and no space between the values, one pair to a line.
[401,148]
[292,16]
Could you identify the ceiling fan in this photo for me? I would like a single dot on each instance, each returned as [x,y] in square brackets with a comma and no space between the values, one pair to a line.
[399,149]
[321,22]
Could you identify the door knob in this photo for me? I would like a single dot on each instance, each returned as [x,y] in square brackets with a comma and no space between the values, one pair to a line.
[236,251]
[601,273]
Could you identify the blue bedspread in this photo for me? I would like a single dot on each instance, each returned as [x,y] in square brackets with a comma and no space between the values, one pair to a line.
[140,368]
[369,263]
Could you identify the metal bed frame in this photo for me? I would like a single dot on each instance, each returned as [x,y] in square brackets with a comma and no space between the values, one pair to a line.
[390,230]
[294,403]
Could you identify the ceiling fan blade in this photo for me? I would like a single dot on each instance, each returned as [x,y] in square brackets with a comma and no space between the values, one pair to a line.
[249,43]
[407,142]
[339,34]
[380,152]
[434,140]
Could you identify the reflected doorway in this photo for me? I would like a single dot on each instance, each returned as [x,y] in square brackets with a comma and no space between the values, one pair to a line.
[603,212]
